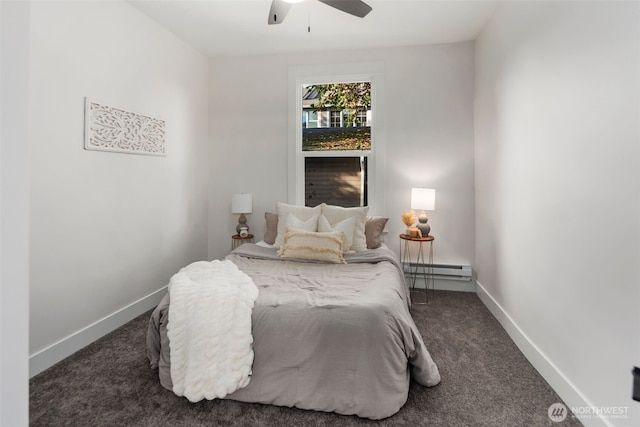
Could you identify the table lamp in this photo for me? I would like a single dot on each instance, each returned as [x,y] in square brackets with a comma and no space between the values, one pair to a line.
[423,199]
[242,204]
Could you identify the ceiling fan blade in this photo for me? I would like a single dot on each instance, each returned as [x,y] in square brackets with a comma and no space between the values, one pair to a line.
[354,7]
[278,11]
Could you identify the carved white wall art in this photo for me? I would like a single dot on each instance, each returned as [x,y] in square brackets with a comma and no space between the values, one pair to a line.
[112,129]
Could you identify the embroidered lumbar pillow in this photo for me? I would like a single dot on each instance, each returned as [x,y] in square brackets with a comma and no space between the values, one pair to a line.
[313,246]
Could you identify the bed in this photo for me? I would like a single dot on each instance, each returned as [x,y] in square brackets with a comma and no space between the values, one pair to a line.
[335,337]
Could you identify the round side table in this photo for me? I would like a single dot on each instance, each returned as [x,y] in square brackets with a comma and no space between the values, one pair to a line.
[420,267]
[237,240]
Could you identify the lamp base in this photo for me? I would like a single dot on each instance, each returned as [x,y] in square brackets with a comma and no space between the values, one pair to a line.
[422,224]
[424,228]
[242,223]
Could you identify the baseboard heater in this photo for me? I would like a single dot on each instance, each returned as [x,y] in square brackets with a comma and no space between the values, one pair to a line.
[441,271]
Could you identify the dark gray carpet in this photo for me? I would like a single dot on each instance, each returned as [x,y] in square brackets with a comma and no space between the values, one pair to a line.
[486,381]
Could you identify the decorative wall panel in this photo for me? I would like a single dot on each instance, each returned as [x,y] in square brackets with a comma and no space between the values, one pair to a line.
[112,129]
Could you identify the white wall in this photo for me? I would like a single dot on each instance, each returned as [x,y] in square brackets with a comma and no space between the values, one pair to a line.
[557,113]
[108,229]
[14,214]
[428,98]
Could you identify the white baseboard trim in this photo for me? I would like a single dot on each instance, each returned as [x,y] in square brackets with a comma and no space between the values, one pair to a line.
[64,348]
[549,371]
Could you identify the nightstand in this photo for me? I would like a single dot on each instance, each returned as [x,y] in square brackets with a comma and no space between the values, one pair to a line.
[237,240]
[419,267]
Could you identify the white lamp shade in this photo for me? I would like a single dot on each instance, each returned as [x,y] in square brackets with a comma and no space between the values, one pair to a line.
[241,203]
[423,199]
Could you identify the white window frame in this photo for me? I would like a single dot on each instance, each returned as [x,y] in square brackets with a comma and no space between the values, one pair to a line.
[342,73]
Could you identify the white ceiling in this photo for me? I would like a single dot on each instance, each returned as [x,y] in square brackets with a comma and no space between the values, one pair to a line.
[239,27]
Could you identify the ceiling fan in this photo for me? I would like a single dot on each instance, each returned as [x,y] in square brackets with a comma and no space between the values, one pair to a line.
[280,8]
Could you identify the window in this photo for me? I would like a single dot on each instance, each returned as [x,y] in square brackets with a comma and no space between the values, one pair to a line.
[363,118]
[336,150]
[330,174]
[336,119]
[310,119]
[340,181]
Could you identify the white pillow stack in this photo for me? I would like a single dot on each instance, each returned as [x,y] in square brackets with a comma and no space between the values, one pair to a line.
[346,226]
[300,217]
[338,218]
[325,219]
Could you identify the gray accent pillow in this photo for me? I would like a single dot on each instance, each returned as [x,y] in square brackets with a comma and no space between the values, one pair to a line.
[373,230]
[271,230]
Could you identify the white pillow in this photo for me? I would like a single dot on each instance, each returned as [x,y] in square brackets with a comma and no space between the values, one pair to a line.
[346,226]
[336,214]
[309,225]
[301,213]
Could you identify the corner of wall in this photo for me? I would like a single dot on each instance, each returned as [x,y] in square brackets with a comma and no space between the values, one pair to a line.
[545,366]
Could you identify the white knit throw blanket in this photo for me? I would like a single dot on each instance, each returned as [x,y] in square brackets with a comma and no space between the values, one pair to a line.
[209,329]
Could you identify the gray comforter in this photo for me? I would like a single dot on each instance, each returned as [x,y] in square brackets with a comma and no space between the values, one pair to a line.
[327,337]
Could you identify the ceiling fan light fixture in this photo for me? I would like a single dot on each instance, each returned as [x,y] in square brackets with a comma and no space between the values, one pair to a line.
[280,8]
